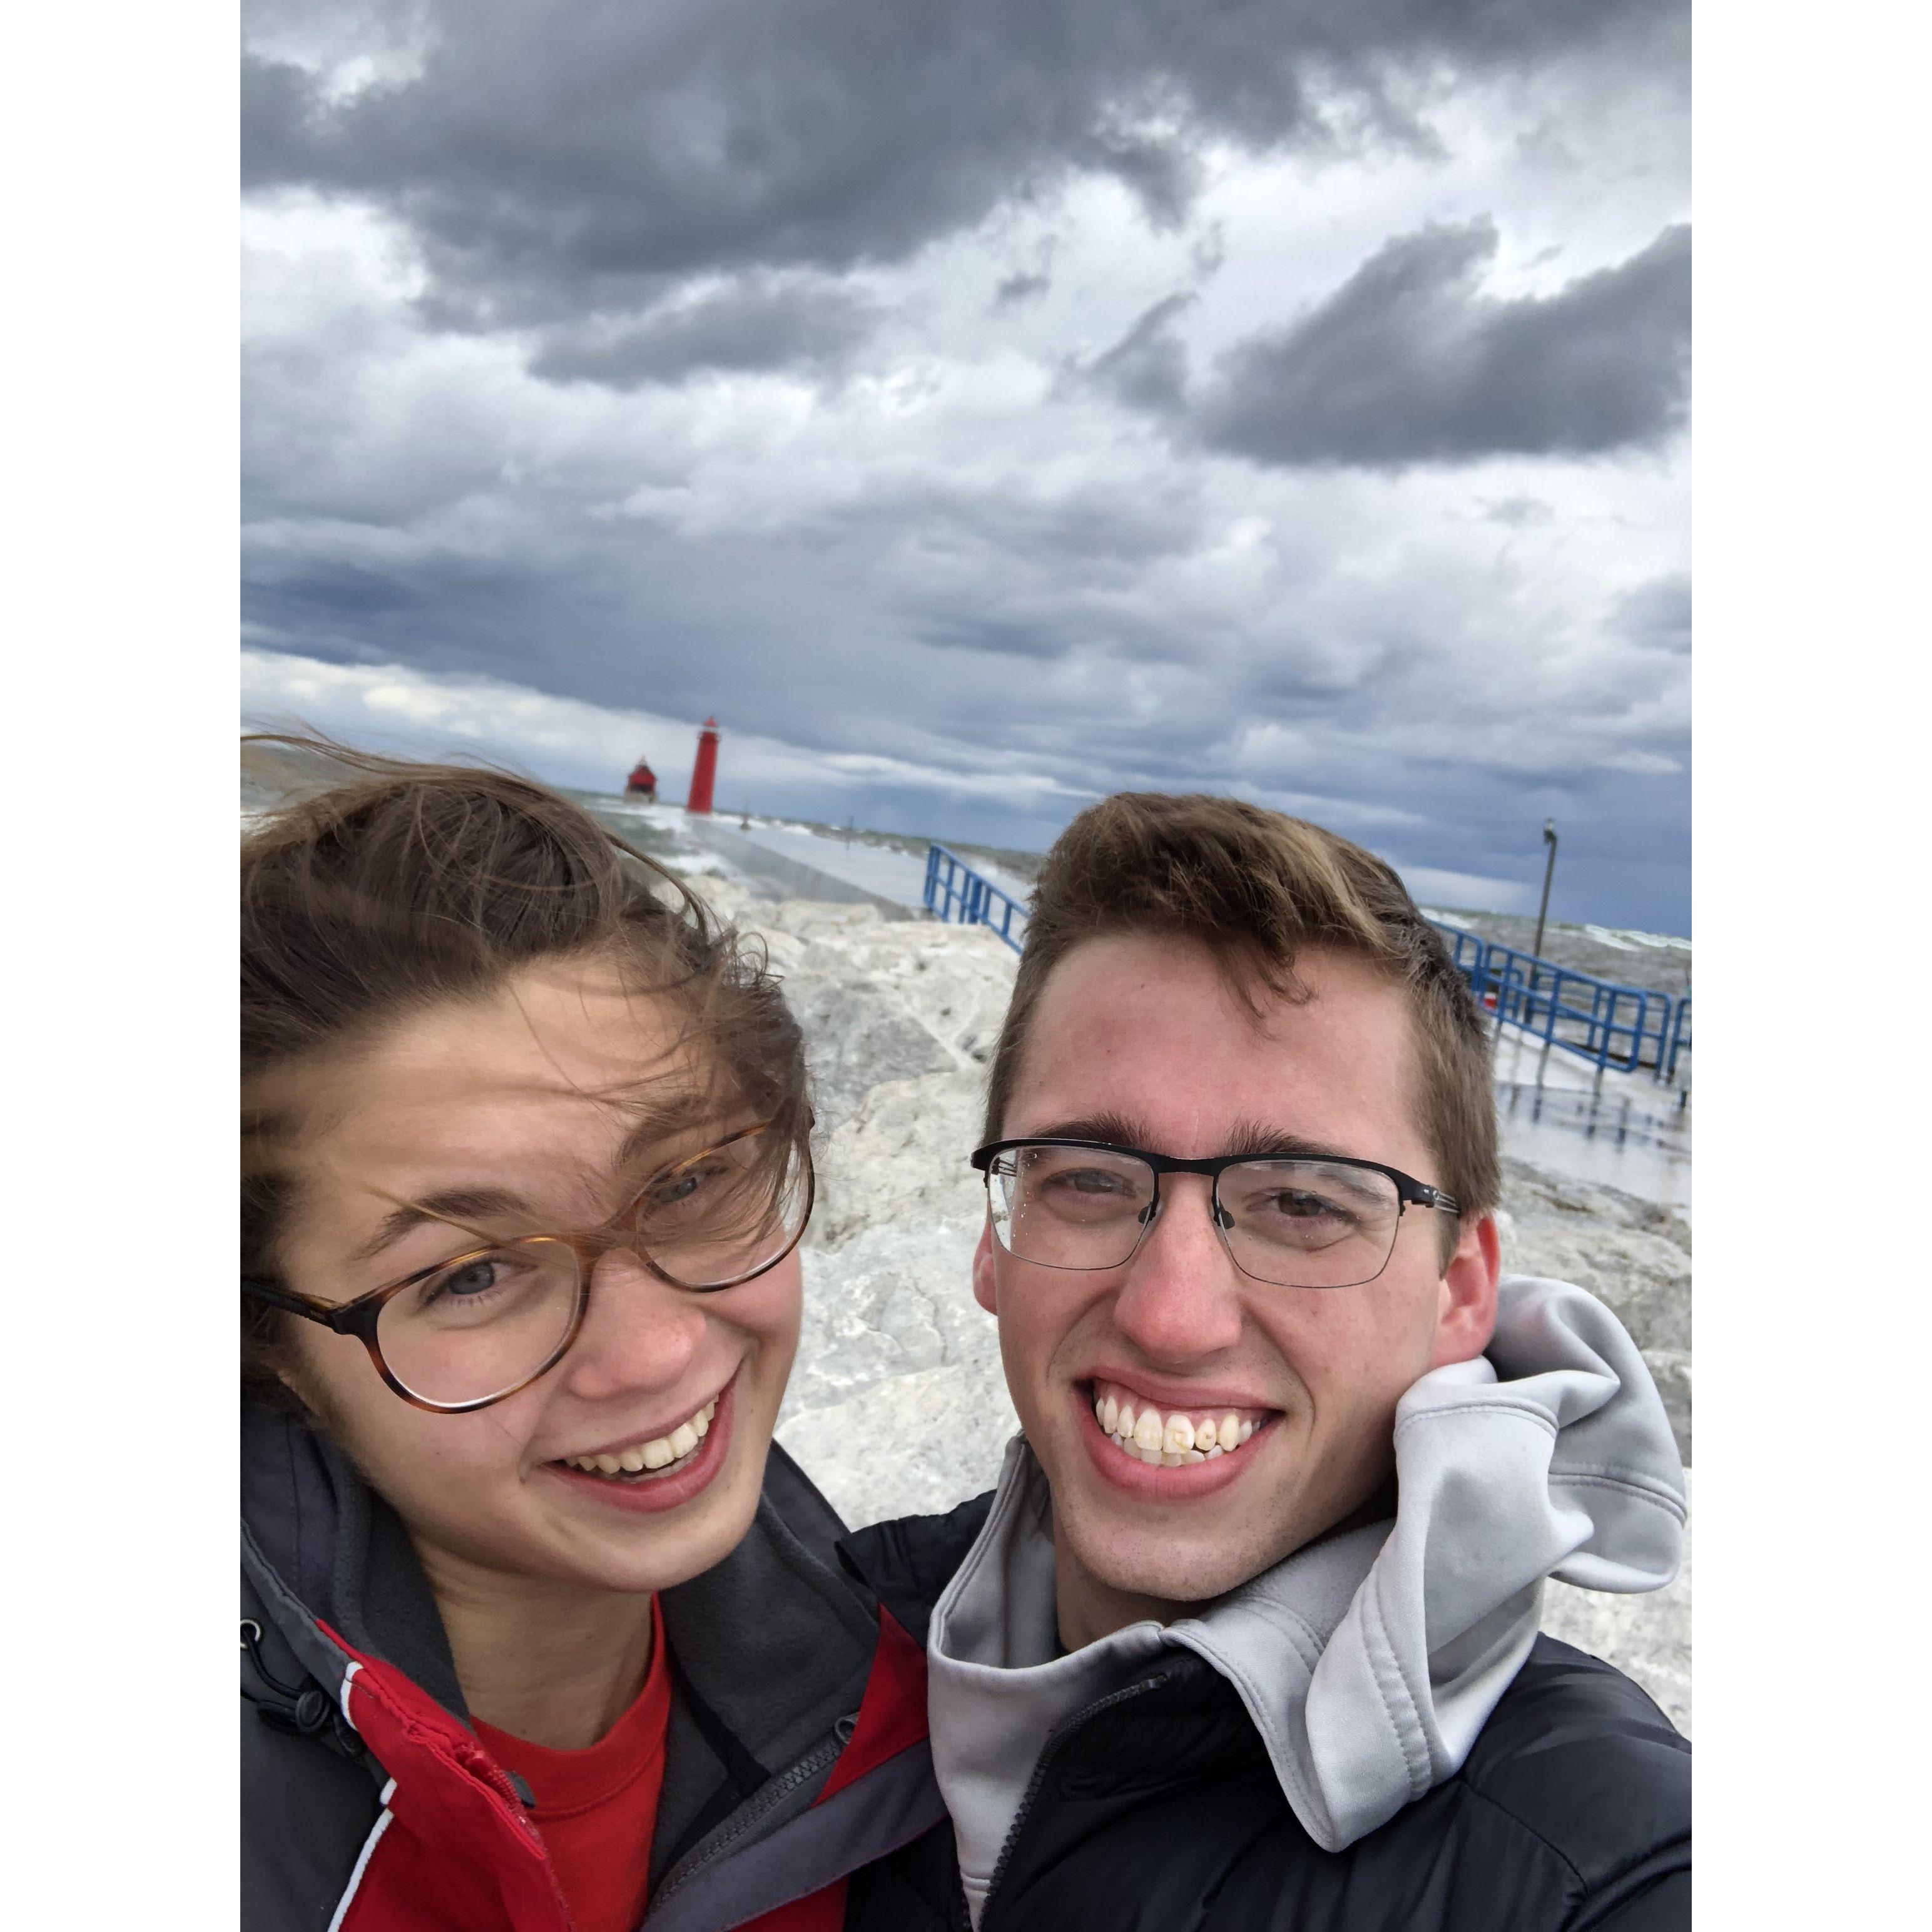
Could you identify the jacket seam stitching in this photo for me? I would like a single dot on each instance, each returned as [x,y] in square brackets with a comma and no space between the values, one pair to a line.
[1522,1824]
[1600,1479]
[1517,1410]
[1591,1893]
[1382,1658]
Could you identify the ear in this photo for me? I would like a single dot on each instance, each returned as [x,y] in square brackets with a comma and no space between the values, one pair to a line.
[983,1292]
[1466,1307]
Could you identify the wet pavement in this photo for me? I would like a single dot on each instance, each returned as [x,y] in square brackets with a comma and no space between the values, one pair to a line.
[1621,1130]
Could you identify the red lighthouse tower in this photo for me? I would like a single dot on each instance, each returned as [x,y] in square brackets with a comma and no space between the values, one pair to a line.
[704,773]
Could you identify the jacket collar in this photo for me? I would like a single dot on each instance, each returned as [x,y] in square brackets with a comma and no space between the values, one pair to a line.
[1370,1661]
[324,1548]
[339,1552]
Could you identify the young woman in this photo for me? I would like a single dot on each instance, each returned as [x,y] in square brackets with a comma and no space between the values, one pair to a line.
[539,1631]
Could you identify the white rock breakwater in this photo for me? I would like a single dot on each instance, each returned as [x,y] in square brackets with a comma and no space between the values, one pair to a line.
[897,1405]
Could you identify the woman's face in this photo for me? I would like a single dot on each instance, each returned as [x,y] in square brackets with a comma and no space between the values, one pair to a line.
[539,1110]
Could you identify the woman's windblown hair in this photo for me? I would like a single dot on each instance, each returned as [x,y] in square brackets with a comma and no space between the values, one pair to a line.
[406,884]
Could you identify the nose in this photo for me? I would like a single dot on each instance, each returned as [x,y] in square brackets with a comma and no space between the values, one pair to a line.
[1181,1299]
[639,1334]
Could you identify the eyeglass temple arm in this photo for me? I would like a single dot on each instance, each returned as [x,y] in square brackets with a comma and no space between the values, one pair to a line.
[294,1304]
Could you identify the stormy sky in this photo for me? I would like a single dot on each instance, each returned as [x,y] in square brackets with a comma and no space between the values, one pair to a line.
[983,407]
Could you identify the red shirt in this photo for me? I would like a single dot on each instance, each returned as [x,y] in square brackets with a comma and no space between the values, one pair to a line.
[597,1810]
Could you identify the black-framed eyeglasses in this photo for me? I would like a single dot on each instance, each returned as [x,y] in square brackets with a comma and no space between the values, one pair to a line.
[1292,1221]
[465,1332]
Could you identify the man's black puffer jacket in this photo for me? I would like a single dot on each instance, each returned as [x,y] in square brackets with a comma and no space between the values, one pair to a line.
[1157,1809]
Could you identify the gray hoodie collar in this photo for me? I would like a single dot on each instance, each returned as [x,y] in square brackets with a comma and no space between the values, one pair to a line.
[1370,1660]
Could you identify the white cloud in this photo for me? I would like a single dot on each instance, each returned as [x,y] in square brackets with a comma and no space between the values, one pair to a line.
[1642,764]
[566,741]
[950,578]
[1429,884]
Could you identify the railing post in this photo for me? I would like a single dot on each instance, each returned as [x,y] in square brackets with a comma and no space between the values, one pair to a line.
[957,893]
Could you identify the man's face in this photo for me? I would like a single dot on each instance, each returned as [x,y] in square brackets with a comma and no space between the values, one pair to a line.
[1141,1041]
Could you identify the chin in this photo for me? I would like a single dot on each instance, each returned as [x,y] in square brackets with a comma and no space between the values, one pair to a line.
[1173,1569]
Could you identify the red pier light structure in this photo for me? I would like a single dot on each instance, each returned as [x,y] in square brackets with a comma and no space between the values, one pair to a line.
[704,773]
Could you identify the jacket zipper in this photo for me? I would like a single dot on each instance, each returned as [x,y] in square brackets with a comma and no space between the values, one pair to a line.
[1058,1740]
[752,1812]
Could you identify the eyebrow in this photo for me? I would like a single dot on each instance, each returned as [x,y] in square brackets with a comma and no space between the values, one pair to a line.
[1250,1139]
[457,1207]
[460,1208]
[671,1116]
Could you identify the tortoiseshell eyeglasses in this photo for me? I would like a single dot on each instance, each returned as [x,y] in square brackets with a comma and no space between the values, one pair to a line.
[468,1332]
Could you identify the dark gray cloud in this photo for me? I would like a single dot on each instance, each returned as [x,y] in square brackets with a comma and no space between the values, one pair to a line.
[1020,286]
[578,155]
[1409,362]
[976,533]
[1519,512]
[1148,367]
[762,322]
[1656,616]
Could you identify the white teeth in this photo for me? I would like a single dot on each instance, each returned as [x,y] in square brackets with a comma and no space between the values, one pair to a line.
[658,1454]
[1167,1441]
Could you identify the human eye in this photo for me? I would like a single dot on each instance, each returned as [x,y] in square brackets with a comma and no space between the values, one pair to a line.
[1299,1219]
[684,1191]
[1088,1180]
[1306,1207]
[1299,1205]
[480,1283]
[1073,1187]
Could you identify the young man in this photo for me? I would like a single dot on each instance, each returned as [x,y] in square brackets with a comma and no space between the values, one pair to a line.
[1247,1637]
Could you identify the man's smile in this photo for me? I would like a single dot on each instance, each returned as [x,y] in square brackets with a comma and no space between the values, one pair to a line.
[1162,1452]
[1169,1436]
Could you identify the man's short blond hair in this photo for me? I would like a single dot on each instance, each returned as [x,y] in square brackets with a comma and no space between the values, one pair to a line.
[1256,887]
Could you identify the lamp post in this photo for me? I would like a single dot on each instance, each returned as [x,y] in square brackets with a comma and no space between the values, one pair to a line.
[1549,869]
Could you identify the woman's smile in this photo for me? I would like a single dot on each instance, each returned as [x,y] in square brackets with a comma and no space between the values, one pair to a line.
[663,1472]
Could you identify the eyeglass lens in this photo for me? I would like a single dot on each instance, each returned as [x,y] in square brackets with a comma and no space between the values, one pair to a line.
[491,1320]
[483,1325]
[721,1217]
[1296,1223]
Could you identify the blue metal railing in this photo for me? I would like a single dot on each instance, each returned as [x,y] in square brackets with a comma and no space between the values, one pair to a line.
[1628,1027]
[1680,1037]
[954,892]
